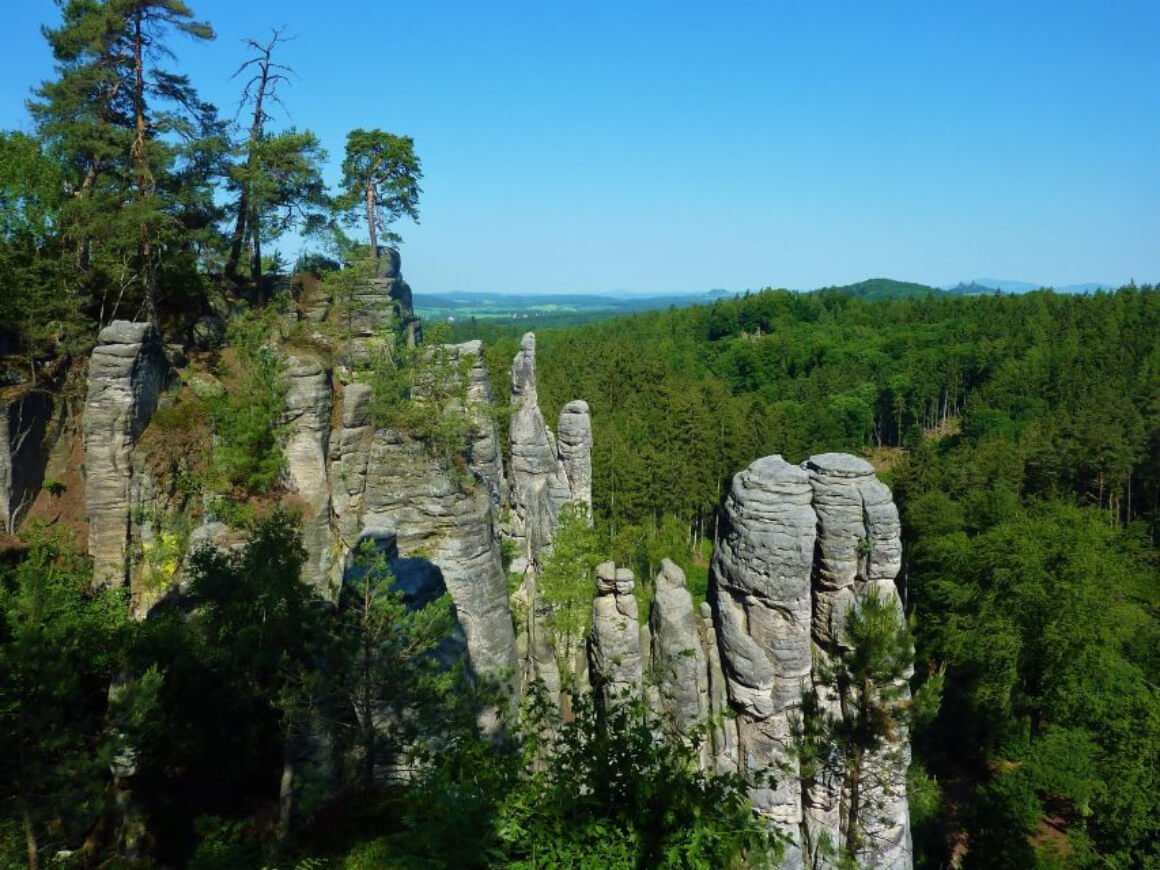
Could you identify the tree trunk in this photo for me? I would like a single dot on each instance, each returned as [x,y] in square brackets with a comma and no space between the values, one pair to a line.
[141,161]
[237,240]
[247,214]
[370,191]
[286,785]
[256,266]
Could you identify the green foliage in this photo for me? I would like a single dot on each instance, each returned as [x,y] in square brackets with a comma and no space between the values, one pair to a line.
[869,674]
[59,649]
[40,313]
[422,391]
[390,675]
[278,177]
[247,418]
[607,788]
[140,150]
[380,182]
[567,582]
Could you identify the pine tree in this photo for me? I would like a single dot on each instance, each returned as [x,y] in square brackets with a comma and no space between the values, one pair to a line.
[138,143]
[279,180]
[380,179]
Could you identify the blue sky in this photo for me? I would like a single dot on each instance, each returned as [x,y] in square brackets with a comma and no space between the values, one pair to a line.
[675,147]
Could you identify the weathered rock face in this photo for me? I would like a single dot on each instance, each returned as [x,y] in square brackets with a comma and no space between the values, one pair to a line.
[127,373]
[24,418]
[410,493]
[679,664]
[575,428]
[859,554]
[485,458]
[307,422]
[799,547]
[542,472]
[615,649]
[761,585]
[385,482]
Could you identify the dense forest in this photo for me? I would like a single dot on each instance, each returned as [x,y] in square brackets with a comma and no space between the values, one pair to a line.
[1020,434]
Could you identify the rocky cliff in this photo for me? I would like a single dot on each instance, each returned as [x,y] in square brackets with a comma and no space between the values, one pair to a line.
[544,475]
[800,547]
[127,373]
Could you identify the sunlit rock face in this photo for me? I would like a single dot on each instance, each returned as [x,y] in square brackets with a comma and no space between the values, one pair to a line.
[385,481]
[127,372]
[544,474]
[307,423]
[799,546]
[859,555]
[614,649]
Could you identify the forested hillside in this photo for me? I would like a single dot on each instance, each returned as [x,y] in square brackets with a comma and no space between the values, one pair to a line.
[281,577]
[1022,437]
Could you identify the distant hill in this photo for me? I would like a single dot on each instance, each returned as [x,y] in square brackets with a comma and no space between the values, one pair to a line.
[558,307]
[974,288]
[878,289]
[990,285]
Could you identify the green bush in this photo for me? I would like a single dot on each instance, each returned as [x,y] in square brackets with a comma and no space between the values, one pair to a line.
[247,451]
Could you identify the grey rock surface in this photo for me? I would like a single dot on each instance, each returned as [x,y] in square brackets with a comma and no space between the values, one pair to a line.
[307,424]
[540,468]
[24,419]
[575,428]
[678,661]
[799,546]
[127,372]
[411,494]
[614,649]
[761,588]
[859,554]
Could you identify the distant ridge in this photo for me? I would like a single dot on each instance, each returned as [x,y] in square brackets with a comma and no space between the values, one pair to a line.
[1005,285]
[880,289]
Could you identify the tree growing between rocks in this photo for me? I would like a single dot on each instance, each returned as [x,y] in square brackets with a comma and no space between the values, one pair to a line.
[380,182]
[869,678]
[279,178]
[567,585]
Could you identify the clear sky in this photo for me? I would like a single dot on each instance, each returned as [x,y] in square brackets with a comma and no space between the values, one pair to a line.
[666,146]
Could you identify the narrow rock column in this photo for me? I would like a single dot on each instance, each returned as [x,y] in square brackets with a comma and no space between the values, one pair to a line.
[614,651]
[678,661]
[544,475]
[307,422]
[575,428]
[859,553]
[127,372]
[761,590]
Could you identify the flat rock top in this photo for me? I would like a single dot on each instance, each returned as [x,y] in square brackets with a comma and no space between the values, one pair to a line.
[839,465]
[769,471]
[469,348]
[125,332]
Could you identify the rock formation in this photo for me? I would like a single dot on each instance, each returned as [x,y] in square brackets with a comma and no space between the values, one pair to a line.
[761,585]
[575,428]
[859,553]
[679,664]
[799,547]
[24,418]
[127,372]
[543,476]
[307,422]
[615,647]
